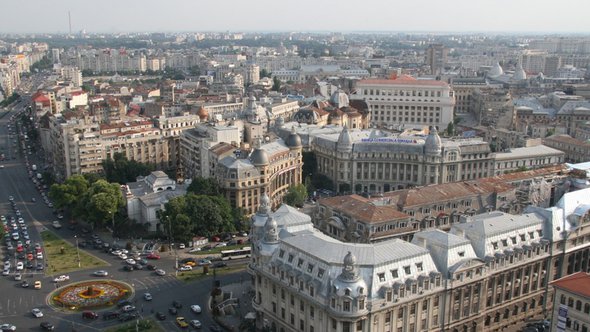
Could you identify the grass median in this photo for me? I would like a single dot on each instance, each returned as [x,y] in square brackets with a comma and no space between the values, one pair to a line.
[197,273]
[62,255]
[145,325]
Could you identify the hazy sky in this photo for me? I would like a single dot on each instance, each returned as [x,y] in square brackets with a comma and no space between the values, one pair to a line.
[300,15]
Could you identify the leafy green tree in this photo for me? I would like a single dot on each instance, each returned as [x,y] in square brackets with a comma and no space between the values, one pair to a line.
[101,202]
[296,195]
[450,129]
[276,84]
[121,170]
[265,73]
[67,195]
[204,186]
[186,216]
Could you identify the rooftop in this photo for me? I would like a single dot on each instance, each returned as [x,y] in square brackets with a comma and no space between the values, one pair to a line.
[403,80]
[577,283]
[517,153]
[362,209]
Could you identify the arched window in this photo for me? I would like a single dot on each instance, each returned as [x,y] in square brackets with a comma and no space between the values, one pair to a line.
[587,308]
[579,305]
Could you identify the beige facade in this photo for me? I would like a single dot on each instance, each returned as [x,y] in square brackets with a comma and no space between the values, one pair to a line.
[571,304]
[575,150]
[270,168]
[526,158]
[407,102]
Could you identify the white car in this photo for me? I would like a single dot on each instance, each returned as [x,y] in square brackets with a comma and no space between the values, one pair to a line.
[116,252]
[194,250]
[39,255]
[37,313]
[181,246]
[7,265]
[56,224]
[147,296]
[101,273]
[196,308]
[186,268]
[20,266]
[61,278]
[7,327]
[17,277]
[160,272]
[6,272]
[123,256]
[130,261]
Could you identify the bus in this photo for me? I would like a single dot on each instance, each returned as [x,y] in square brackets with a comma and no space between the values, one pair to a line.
[236,253]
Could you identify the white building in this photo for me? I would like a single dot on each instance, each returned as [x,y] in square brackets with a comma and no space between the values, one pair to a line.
[407,102]
[147,196]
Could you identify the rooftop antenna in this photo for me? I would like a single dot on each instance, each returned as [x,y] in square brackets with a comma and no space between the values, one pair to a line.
[70,21]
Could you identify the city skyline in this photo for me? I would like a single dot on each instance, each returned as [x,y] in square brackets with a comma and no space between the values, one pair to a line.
[304,15]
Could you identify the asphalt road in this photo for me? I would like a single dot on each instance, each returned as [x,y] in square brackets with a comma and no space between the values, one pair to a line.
[16,302]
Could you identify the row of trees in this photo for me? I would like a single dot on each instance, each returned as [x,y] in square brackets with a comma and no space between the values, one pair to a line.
[88,198]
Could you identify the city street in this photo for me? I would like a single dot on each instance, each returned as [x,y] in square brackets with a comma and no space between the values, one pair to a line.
[16,302]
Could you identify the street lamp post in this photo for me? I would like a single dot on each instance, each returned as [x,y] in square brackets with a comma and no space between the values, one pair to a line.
[77,250]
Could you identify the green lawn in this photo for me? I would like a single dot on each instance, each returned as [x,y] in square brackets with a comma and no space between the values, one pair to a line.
[145,325]
[61,255]
[197,272]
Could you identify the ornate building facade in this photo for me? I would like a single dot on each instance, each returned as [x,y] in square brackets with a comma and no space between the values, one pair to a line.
[270,168]
[491,272]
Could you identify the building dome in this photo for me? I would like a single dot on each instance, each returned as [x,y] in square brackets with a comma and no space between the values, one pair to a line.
[519,74]
[259,157]
[202,113]
[349,270]
[496,70]
[280,122]
[344,141]
[339,99]
[433,145]
[349,259]
[293,140]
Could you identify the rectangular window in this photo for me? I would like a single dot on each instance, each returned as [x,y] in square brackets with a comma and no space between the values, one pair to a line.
[381,276]
[394,273]
[407,269]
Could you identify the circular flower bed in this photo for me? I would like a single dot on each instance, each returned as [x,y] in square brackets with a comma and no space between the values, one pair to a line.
[93,294]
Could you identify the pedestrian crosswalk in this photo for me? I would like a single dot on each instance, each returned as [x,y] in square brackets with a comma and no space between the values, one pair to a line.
[154,283]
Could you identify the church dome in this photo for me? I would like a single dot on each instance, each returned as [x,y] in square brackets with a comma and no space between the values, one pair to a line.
[496,70]
[339,99]
[433,145]
[202,113]
[293,141]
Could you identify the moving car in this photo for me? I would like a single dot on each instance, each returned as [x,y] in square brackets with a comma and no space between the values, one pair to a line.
[128,308]
[7,327]
[63,277]
[196,308]
[101,273]
[37,313]
[47,326]
[195,324]
[56,224]
[160,315]
[24,284]
[147,296]
[89,315]
[37,284]
[181,322]
[160,272]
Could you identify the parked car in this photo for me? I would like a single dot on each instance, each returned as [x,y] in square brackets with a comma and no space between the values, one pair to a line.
[195,324]
[153,256]
[160,272]
[24,284]
[196,308]
[147,296]
[56,224]
[7,327]
[128,308]
[160,315]
[186,268]
[151,267]
[37,284]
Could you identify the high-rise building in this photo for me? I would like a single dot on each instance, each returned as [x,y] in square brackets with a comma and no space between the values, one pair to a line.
[436,57]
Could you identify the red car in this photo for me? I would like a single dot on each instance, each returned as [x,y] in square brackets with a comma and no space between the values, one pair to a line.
[19,248]
[153,256]
[30,256]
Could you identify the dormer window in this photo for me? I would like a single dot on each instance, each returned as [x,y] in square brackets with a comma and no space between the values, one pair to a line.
[309,268]
[290,260]
[281,253]
[461,253]
[540,232]
[381,277]
[522,237]
[513,239]
[419,267]
[531,235]
[495,245]
[407,270]
[299,262]
[320,273]
[394,273]
[505,243]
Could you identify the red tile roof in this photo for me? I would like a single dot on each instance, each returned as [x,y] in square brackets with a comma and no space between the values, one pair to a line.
[577,283]
[362,209]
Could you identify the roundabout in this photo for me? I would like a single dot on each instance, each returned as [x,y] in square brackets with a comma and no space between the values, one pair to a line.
[91,294]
